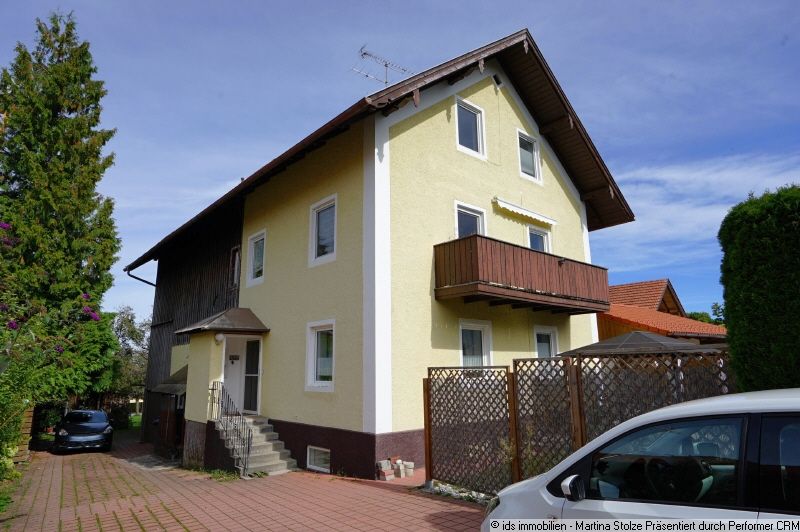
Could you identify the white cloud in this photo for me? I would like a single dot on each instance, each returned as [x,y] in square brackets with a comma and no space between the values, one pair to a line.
[679,208]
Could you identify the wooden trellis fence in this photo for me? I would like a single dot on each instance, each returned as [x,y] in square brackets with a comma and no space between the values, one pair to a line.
[486,427]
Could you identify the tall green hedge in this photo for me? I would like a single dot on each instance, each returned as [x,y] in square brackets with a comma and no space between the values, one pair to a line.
[760,240]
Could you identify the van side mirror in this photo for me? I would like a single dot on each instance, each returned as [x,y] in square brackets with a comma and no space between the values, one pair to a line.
[573,488]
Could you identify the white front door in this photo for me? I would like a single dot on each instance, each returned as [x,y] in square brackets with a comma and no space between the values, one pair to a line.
[243,372]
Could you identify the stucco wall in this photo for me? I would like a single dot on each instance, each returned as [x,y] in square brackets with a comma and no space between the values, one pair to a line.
[179,357]
[428,175]
[294,294]
[205,367]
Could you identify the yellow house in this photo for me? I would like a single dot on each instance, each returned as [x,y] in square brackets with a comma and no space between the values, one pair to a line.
[442,221]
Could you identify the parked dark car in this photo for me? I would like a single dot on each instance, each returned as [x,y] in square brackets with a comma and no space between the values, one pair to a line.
[84,429]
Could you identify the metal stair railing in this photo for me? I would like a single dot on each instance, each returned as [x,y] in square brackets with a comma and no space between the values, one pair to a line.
[231,422]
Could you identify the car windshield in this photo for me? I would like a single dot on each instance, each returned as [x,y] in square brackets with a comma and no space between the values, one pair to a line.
[86,417]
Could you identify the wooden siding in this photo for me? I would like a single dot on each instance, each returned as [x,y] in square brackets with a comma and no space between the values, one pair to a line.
[484,268]
[193,282]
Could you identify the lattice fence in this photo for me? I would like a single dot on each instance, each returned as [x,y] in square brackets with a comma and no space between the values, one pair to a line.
[486,427]
[470,439]
[544,435]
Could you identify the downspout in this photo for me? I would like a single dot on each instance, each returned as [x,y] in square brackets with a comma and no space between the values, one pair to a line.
[145,406]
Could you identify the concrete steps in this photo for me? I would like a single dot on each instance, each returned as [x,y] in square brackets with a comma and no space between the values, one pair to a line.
[267,453]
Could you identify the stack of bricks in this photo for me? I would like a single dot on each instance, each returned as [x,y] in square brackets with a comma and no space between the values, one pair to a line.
[385,471]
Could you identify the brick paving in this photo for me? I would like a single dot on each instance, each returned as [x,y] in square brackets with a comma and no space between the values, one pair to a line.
[129,489]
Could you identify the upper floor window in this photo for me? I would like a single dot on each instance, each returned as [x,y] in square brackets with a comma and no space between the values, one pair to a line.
[233,268]
[322,247]
[469,120]
[538,239]
[528,157]
[469,221]
[255,262]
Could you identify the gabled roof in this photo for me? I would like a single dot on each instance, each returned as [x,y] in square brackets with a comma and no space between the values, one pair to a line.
[654,295]
[537,86]
[663,323]
[640,342]
[233,320]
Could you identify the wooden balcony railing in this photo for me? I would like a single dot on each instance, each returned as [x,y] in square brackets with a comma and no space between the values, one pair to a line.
[479,267]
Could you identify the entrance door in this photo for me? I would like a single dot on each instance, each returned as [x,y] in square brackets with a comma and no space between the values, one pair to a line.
[251,375]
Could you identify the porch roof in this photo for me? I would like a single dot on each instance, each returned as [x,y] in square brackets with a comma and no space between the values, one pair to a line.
[175,384]
[234,320]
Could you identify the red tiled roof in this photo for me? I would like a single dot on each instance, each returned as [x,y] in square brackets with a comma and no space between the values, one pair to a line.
[646,294]
[662,322]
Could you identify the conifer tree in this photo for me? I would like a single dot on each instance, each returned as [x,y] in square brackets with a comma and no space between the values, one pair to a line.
[58,240]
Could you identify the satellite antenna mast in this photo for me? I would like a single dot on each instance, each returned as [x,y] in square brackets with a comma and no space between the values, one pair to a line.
[387,65]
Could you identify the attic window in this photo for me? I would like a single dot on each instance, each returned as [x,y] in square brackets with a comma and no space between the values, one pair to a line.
[469,122]
[528,157]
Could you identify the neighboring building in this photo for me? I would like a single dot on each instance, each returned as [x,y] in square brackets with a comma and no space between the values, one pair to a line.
[442,221]
[654,306]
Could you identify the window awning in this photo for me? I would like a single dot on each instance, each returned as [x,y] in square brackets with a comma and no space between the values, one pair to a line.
[522,211]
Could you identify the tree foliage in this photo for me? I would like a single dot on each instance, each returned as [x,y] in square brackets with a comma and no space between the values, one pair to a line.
[131,359]
[760,240]
[57,235]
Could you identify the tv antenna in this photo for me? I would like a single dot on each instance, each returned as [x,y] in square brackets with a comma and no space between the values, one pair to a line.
[387,66]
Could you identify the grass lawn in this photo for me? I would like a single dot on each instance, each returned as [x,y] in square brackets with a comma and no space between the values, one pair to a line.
[136,421]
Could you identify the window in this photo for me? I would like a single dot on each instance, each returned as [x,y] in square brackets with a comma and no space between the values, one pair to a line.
[318,459]
[320,356]
[683,461]
[476,338]
[546,339]
[255,268]
[469,221]
[528,157]
[539,239]
[780,463]
[233,268]
[322,247]
[469,122]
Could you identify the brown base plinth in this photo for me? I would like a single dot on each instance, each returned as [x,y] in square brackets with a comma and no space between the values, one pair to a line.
[216,455]
[353,453]
[194,444]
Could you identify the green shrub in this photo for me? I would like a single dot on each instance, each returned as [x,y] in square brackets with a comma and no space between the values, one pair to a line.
[120,417]
[760,240]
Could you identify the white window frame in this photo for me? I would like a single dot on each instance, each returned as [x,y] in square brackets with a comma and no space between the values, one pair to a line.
[315,467]
[471,209]
[313,385]
[251,240]
[481,153]
[548,245]
[486,331]
[545,329]
[537,158]
[324,203]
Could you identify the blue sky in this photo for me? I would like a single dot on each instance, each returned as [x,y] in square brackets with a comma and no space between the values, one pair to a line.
[691,104]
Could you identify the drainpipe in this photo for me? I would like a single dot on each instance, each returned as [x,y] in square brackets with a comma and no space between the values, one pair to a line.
[145,406]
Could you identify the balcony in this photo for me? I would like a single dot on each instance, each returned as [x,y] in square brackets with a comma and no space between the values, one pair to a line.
[479,268]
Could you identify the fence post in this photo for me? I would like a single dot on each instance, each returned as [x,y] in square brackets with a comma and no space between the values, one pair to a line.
[576,402]
[516,458]
[426,400]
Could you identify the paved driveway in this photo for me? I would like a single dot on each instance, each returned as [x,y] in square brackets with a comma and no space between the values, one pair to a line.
[129,489]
